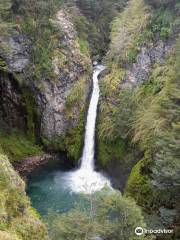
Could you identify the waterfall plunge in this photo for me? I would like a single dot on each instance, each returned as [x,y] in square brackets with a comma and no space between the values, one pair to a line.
[86,179]
[87,160]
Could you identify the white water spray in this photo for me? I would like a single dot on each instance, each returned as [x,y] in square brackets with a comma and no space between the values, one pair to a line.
[86,179]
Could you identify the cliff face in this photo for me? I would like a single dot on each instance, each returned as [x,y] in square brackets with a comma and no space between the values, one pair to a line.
[138,72]
[69,66]
[40,75]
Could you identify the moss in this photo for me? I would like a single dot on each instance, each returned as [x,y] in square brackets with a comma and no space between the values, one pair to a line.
[138,183]
[77,95]
[110,151]
[75,112]
[84,46]
[17,220]
[29,102]
[17,146]
[109,84]
[139,187]
[71,142]
[5,7]
[3,65]
[74,139]
[111,129]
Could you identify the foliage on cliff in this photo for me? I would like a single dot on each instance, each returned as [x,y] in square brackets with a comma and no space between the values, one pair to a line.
[124,32]
[155,127]
[147,114]
[18,221]
[115,107]
[57,58]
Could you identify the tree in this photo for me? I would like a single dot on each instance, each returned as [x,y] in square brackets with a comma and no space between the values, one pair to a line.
[109,216]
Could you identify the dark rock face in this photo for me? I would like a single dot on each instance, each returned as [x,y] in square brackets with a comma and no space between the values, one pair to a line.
[15,55]
[12,110]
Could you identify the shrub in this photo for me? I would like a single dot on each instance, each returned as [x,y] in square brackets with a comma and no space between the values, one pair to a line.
[109,216]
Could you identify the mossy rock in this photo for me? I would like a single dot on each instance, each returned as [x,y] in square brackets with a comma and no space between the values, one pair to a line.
[3,65]
[110,151]
[17,219]
[140,187]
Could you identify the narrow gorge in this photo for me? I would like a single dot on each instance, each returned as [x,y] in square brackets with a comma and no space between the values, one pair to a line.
[89,120]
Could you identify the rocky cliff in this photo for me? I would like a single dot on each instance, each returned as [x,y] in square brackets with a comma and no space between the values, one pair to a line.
[37,97]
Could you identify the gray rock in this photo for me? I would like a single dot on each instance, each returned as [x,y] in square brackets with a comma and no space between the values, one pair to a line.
[54,92]
[138,73]
[15,50]
[167,215]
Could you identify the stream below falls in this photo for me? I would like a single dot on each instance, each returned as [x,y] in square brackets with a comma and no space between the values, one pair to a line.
[55,188]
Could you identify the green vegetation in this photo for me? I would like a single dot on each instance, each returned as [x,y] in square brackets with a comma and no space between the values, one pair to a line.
[143,119]
[3,66]
[146,117]
[146,26]
[93,23]
[71,141]
[109,216]
[155,127]
[18,221]
[74,139]
[76,101]
[17,146]
[125,33]
[116,105]
[31,112]
[113,119]
[35,21]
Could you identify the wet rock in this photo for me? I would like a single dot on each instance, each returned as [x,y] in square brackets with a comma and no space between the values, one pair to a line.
[12,110]
[27,165]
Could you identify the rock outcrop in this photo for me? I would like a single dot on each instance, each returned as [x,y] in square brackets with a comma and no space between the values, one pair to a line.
[47,96]
[69,67]
[29,164]
[138,73]
[15,50]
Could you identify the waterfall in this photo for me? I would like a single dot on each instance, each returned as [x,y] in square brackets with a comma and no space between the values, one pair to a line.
[86,179]
[87,160]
